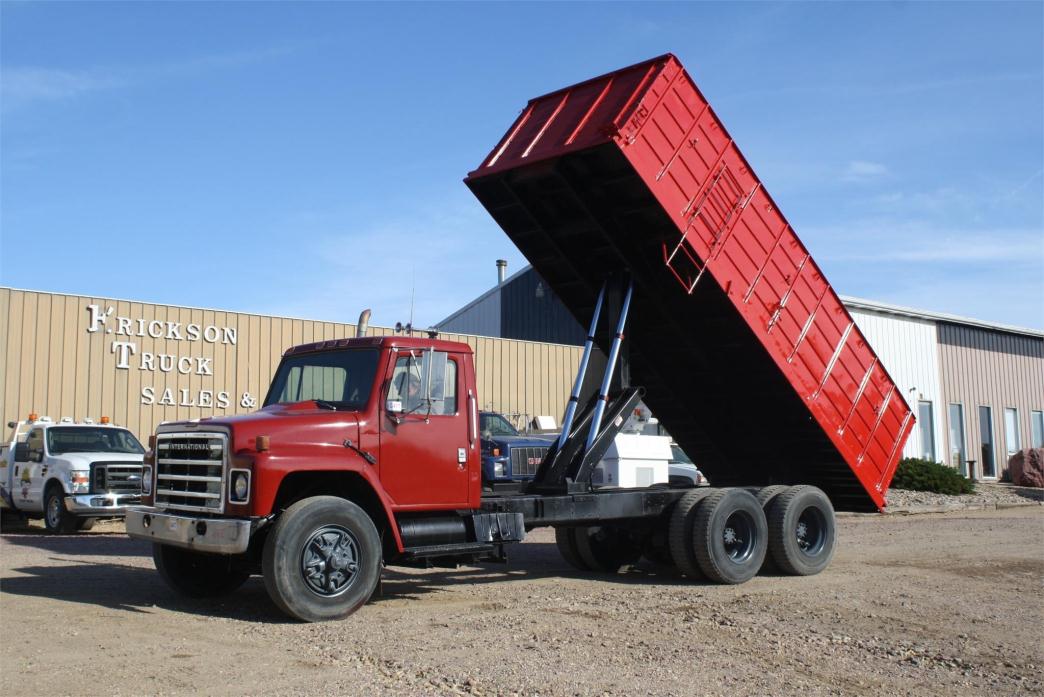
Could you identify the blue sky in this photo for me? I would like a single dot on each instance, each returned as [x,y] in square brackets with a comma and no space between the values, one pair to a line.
[306,159]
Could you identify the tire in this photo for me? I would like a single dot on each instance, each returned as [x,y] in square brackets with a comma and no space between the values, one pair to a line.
[802,531]
[322,559]
[84,524]
[656,549]
[730,536]
[679,531]
[195,574]
[766,495]
[57,520]
[605,549]
[565,540]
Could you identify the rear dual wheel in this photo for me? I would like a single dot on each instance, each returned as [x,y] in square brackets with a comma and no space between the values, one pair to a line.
[802,530]
[601,548]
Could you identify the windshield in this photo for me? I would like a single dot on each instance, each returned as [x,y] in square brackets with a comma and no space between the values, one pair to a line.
[88,439]
[679,454]
[495,425]
[343,378]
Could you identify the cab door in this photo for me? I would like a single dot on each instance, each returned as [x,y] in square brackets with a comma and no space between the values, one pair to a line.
[28,487]
[425,449]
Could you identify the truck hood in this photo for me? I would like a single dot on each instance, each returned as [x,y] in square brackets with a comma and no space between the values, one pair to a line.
[517,441]
[303,423]
[79,461]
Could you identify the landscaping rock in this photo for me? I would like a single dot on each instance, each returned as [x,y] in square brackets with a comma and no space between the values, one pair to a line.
[1027,467]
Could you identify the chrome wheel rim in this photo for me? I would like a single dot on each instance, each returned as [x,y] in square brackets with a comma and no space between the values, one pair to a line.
[330,561]
[54,511]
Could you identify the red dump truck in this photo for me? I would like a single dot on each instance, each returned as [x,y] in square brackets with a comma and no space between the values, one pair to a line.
[631,200]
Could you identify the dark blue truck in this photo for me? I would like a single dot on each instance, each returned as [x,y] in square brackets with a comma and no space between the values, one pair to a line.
[508,457]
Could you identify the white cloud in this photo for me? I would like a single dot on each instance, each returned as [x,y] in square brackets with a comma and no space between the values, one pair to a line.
[862,171]
[23,85]
[435,256]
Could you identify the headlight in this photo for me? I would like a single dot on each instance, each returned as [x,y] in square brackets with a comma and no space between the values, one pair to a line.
[146,480]
[498,469]
[240,487]
[79,482]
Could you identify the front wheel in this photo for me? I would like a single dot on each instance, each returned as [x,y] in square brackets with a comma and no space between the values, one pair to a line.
[197,575]
[322,559]
[57,520]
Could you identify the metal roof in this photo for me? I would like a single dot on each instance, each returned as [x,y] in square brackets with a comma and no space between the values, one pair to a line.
[849,301]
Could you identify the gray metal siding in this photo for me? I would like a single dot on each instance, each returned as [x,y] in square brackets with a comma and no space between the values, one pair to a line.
[481,318]
[981,367]
[532,312]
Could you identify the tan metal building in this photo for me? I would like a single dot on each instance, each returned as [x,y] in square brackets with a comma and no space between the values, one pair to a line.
[142,363]
[993,388]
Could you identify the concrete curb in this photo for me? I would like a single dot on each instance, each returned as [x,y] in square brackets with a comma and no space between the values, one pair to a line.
[956,507]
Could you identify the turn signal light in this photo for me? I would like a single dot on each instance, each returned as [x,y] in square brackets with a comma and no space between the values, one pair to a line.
[104,420]
[33,416]
[261,444]
[496,452]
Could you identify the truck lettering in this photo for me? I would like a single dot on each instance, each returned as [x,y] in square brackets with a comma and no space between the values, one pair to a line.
[203,366]
[193,332]
[174,331]
[148,396]
[123,351]
[185,365]
[97,317]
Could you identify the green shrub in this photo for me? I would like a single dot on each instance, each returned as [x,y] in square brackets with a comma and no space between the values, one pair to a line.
[924,475]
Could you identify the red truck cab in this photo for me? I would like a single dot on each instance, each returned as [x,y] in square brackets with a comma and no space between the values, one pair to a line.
[389,423]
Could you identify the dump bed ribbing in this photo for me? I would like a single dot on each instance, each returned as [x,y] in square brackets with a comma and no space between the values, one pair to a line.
[749,358]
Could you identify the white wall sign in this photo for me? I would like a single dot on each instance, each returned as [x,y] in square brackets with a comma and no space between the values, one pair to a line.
[128,355]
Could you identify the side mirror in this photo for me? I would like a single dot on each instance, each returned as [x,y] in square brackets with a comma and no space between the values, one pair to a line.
[21,453]
[433,376]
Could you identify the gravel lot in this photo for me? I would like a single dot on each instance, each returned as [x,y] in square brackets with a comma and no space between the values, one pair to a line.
[936,604]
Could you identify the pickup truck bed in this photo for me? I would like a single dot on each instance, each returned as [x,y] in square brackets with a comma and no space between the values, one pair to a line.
[748,357]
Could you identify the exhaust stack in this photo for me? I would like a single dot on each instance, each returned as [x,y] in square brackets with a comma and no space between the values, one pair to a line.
[364,323]
[501,270]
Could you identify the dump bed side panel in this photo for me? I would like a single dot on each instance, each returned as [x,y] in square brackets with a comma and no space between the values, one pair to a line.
[718,240]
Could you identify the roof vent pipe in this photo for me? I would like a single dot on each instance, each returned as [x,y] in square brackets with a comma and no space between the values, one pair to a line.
[364,323]
[501,270]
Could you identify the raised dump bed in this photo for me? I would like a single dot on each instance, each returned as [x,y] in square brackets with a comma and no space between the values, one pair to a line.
[749,358]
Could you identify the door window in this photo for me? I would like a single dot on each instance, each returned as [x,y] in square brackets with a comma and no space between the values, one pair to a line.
[924,417]
[1012,438]
[958,458]
[1037,427]
[35,441]
[408,393]
[989,465]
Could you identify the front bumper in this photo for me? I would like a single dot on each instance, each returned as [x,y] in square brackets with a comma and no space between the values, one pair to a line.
[215,535]
[101,505]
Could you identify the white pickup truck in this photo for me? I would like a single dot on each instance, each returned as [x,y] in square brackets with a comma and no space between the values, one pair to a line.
[68,473]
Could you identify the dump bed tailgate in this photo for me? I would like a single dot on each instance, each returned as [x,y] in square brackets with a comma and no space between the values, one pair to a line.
[748,355]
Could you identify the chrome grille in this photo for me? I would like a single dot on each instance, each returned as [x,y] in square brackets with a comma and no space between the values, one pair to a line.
[190,471]
[525,461]
[115,478]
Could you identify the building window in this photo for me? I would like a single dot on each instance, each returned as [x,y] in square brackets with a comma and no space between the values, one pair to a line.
[924,418]
[988,463]
[1012,439]
[1037,427]
[958,457]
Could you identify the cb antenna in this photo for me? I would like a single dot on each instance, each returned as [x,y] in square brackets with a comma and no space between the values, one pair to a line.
[413,292]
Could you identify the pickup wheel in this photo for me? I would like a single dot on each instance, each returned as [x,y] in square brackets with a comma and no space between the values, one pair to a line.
[679,531]
[605,548]
[802,531]
[195,574]
[730,536]
[57,520]
[565,540]
[322,559]
[84,524]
